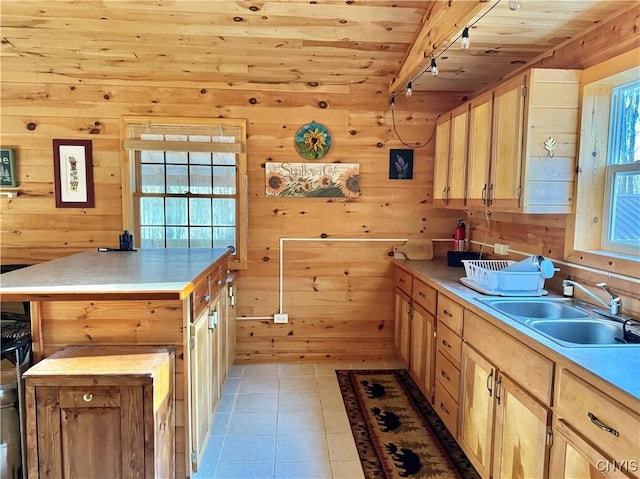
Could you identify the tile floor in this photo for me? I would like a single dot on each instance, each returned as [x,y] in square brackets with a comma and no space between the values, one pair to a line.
[283,421]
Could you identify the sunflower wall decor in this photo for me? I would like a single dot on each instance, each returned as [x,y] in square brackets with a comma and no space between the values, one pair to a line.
[317,180]
[312,141]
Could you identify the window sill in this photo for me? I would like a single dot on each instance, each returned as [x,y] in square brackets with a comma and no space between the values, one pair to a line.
[618,263]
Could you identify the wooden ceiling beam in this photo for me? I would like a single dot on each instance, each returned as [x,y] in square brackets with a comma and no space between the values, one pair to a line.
[441,21]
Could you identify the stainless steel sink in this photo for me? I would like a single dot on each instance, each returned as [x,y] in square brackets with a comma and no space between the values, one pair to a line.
[563,320]
[539,309]
[585,331]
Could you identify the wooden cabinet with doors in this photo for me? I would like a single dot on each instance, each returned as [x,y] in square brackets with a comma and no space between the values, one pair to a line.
[594,433]
[521,146]
[451,158]
[448,357]
[102,411]
[415,329]
[505,417]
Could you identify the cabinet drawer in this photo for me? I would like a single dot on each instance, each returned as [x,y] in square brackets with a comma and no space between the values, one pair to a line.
[590,411]
[403,280]
[450,313]
[448,375]
[201,296]
[424,295]
[447,409]
[89,396]
[449,344]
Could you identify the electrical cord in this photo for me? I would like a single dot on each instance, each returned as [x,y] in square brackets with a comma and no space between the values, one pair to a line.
[393,121]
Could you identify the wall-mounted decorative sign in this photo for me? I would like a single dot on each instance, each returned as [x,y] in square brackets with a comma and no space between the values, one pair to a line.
[73,167]
[400,164]
[317,180]
[8,176]
[312,141]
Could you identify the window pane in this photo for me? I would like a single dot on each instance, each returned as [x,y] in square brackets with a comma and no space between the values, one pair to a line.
[152,237]
[152,178]
[151,211]
[624,226]
[224,212]
[152,156]
[625,147]
[177,180]
[224,180]
[177,237]
[223,237]
[176,211]
[200,158]
[200,237]
[200,180]
[200,211]
[224,159]
[176,157]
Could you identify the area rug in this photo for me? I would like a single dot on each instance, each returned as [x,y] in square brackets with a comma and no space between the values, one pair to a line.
[397,432]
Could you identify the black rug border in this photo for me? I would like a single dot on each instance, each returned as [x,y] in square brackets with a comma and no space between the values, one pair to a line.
[445,439]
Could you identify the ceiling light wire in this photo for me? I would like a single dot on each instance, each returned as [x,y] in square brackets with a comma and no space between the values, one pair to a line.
[393,121]
[435,57]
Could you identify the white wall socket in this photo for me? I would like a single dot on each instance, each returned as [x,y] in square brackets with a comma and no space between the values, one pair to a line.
[281,318]
[500,248]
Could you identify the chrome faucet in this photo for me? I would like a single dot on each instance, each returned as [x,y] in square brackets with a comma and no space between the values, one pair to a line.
[615,302]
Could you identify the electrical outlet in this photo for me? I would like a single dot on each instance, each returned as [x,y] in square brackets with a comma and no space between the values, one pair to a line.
[281,318]
[501,249]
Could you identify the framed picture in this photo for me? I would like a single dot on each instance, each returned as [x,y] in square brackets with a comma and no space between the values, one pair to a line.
[400,164]
[8,168]
[73,171]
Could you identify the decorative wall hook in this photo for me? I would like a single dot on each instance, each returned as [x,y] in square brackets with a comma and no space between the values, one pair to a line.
[550,145]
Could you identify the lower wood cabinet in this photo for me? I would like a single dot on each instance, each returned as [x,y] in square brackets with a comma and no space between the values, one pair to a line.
[101,411]
[421,356]
[501,424]
[402,332]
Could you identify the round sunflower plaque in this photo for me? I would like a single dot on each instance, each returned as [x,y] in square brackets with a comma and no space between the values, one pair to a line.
[312,141]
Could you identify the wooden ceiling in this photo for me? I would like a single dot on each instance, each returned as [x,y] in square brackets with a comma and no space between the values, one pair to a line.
[287,44]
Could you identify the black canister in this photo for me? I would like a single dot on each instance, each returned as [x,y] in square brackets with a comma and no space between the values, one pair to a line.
[126,241]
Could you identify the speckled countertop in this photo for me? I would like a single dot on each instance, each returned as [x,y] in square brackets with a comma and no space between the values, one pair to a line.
[156,271]
[618,365]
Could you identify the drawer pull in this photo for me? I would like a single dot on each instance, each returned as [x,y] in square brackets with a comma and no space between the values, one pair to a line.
[401,280]
[444,375]
[444,311]
[422,294]
[446,344]
[206,298]
[444,408]
[602,425]
[88,397]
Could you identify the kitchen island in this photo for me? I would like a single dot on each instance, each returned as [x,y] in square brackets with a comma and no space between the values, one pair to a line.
[159,297]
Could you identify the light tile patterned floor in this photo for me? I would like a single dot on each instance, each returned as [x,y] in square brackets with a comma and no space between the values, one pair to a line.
[283,421]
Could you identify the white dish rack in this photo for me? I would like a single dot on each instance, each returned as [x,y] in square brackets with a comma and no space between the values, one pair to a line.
[486,276]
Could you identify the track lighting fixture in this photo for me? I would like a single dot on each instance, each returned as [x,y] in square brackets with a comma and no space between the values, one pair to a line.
[434,67]
[409,88]
[393,102]
[464,42]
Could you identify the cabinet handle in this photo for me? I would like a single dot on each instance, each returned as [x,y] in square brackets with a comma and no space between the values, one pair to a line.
[444,408]
[489,379]
[602,425]
[444,195]
[206,298]
[444,375]
[88,397]
[401,280]
[484,194]
[490,195]
[446,344]
[444,311]
[498,383]
[421,294]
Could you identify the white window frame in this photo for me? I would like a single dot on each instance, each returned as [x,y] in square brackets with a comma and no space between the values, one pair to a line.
[133,143]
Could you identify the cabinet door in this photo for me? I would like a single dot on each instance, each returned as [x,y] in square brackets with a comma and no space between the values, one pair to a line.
[441,164]
[477,409]
[458,156]
[200,385]
[507,144]
[520,449]
[402,322]
[573,457]
[479,156]
[422,349]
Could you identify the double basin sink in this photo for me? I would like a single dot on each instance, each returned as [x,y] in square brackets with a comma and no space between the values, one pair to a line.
[566,321]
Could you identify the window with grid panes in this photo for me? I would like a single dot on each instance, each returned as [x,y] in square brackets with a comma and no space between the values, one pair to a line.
[188,184]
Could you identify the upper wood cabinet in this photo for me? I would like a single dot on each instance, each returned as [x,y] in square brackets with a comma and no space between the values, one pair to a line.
[518,149]
[451,150]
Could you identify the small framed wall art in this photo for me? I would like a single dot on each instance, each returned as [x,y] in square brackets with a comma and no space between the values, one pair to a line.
[73,171]
[400,164]
[8,178]
[312,141]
